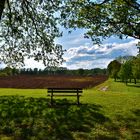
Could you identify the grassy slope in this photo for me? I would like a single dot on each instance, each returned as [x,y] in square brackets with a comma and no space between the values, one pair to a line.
[121,104]
[111,114]
[118,96]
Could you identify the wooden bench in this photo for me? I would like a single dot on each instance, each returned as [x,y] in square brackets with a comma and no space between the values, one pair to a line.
[65,92]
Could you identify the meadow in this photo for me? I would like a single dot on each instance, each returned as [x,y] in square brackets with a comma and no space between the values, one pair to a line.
[109,111]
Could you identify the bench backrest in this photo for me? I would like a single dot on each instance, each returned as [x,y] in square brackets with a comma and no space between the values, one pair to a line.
[65,90]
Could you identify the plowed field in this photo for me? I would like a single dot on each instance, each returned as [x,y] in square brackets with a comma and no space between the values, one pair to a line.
[31,82]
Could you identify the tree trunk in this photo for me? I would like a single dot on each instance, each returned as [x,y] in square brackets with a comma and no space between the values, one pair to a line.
[126,82]
[135,81]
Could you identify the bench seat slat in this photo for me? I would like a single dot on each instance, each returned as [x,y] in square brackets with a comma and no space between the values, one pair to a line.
[64,88]
[64,91]
[63,95]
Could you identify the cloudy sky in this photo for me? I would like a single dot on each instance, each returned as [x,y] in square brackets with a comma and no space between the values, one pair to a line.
[81,53]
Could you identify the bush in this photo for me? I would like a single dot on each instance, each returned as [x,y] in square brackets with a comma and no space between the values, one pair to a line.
[3,74]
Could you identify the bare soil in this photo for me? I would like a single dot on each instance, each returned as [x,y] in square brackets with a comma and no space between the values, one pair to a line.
[32,82]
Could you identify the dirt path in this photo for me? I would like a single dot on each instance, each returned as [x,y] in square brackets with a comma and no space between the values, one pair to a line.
[104,88]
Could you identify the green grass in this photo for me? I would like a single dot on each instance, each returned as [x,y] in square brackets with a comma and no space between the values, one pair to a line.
[36,93]
[113,114]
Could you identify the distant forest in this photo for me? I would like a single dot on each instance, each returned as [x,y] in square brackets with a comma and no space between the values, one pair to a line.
[52,71]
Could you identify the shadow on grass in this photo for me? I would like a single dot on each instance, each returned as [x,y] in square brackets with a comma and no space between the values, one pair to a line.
[130,84]
[33,118]
[137,112]
[129,125]
[134,85]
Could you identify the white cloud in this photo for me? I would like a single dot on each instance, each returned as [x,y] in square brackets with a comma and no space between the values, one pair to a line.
[87,56]
[31,63]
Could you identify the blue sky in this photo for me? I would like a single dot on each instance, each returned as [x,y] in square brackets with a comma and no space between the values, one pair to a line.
[81,53]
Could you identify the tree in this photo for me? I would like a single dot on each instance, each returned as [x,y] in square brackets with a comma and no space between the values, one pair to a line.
[125,72]
[104,18]
[113,69]
[80,72]
[2,4]
[35,71]
[7,72]
[136,68]
[28,30]
[123,59]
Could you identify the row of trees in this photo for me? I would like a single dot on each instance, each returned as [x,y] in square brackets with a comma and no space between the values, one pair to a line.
[64,71]
[52,71]
[126,71]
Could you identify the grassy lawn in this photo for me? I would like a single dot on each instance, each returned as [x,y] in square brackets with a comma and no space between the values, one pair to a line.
[110,114]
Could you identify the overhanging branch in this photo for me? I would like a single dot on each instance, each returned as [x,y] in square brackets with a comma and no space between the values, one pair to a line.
[2,3]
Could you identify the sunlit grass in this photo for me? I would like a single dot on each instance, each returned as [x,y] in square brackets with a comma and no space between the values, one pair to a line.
[23,92]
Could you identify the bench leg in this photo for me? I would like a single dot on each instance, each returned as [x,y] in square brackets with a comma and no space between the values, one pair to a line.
[52,99]
[78,99]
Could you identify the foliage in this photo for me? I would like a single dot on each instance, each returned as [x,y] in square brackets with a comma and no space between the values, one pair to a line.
[136,68]
[28,30]
[130,68]
[64,71]
[3,74]
[81,71]
[113,69]
[125,72]
[9,72]
[123,59]
[104,18]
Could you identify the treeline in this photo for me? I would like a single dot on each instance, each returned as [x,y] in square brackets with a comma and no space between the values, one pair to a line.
[64,71]
[126,70]
[52,71]
[9,72]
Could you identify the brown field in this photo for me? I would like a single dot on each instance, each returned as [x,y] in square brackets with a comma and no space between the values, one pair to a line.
[31,82]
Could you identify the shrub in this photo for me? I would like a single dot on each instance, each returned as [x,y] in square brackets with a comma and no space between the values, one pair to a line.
[3,74]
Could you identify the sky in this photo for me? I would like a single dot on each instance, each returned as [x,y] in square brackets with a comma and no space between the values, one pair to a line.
[81,53]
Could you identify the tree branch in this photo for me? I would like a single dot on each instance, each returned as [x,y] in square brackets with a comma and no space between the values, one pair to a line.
[135,5]
[105,1]
[2,3]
